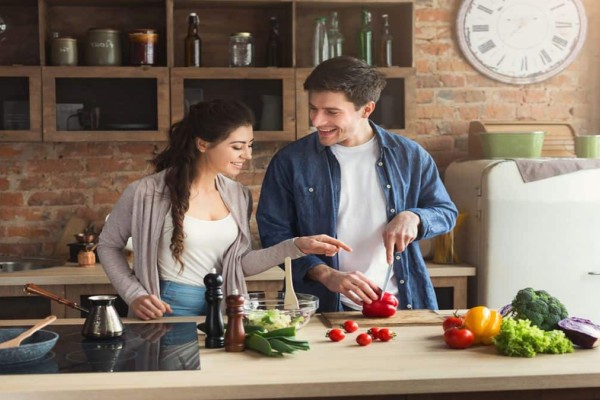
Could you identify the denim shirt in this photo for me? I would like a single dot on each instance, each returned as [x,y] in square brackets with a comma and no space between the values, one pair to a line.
[300,196]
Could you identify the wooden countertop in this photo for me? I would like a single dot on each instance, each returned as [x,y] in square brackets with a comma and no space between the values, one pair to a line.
[417,361]
[73,274]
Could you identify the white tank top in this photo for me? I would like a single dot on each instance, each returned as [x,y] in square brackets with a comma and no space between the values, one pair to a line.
[361,216]
[204,244]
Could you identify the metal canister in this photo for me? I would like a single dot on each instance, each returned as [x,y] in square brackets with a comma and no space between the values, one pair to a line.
[63,51]
[241,50]
[103,47]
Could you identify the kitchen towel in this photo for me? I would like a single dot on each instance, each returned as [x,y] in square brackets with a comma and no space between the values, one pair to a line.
[535,170]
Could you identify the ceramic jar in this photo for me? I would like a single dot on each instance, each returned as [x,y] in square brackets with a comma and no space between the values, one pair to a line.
[63,51]
[103,47]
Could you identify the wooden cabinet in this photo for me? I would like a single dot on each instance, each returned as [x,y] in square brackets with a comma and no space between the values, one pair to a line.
[140,103]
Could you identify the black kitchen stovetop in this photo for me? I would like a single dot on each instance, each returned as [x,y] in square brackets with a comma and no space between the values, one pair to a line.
[142,347]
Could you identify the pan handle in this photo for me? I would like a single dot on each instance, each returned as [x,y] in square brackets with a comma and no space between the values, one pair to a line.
[35,289]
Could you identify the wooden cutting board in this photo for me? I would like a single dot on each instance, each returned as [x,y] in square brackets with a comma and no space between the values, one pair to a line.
[402,317]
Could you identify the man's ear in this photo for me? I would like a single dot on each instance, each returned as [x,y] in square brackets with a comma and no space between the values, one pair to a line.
[368,109]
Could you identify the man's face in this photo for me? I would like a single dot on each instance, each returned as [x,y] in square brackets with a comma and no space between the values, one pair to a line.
[336,119]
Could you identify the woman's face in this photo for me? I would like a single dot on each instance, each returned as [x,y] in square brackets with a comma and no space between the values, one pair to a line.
[228,157]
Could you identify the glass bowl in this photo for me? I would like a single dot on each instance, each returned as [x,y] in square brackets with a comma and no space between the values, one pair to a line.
[266,309]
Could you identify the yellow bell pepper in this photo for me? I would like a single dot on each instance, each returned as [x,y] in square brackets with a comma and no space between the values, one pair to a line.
[484,323]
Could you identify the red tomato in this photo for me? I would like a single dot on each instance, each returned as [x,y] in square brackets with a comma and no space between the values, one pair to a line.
[459,338]
[350,326]
[373,332]
[452,322]
[385,334]
[335,334]
[364,339]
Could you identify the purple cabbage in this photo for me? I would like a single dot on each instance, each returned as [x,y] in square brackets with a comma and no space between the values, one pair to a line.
[582,332]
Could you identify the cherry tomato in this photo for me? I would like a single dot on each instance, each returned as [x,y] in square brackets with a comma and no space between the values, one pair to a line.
[385,334]
[335,334]
[364,339]
[459,338]
[373,332]
[350,326]
[452,322]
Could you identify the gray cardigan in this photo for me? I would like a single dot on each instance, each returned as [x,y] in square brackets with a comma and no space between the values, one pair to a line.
[140,214]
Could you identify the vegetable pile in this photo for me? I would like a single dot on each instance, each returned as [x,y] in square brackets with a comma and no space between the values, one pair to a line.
[539,307]
[272,319]
[478,326]
[362,339]
[274,343]
[519,338]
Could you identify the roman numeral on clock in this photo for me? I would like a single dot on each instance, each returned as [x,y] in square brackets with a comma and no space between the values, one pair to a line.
[562,24]
[485,9]
[487,46]
[524,66]
[559,42]
[480,28]
[545,57]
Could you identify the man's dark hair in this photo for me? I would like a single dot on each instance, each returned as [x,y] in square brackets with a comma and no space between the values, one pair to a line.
[358,80]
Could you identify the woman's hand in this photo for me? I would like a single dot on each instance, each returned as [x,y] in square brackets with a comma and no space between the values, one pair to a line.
[149,307]
[320,244]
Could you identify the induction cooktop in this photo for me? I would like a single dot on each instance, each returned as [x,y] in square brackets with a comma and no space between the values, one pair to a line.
[142,347]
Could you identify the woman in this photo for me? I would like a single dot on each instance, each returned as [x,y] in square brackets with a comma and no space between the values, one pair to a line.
[188,218]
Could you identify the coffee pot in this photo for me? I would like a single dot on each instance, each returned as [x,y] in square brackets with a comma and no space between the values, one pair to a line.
[88,118]
[102,320]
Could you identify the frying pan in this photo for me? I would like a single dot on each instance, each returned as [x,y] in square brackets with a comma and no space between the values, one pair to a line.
[34,347]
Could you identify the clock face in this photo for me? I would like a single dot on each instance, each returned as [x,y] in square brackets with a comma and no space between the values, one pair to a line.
[521,41]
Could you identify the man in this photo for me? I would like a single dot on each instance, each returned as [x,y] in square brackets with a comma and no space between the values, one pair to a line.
[376,191]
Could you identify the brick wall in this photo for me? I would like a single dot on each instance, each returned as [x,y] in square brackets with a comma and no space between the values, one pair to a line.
[43,184]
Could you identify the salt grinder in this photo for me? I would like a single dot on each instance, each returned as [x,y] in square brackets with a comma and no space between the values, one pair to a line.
[235,334]
[214,319]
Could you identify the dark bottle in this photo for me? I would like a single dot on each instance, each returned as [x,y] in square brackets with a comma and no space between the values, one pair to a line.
[193,43]
[274,44]
[235,334]
[365,38]
[214,319]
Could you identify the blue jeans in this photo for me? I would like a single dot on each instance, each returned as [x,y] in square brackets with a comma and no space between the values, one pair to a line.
[185,300]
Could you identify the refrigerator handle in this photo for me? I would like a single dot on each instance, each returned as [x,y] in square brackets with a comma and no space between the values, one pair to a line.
[594,273]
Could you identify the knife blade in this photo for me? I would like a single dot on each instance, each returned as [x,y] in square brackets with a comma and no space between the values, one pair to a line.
[388,275]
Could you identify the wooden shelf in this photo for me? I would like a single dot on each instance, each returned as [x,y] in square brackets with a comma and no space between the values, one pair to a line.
[21,84]
[143,91]
[49,85]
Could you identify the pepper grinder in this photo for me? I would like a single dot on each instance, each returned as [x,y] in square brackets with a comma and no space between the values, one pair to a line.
[214,319]
[235,334]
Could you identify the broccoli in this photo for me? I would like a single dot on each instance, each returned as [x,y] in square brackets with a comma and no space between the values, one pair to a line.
[539,307]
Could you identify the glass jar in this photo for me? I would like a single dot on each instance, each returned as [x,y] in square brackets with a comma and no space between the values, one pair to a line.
[142,44]
[241,50]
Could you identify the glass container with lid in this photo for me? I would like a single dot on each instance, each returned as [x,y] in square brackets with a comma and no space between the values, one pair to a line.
[142,44]
[241,50]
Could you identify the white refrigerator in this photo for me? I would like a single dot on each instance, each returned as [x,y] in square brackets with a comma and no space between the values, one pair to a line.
[543,234]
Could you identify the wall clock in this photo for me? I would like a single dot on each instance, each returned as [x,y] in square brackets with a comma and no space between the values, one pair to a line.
[521,41]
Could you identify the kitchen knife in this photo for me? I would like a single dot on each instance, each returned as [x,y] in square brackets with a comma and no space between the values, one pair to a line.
[388,275]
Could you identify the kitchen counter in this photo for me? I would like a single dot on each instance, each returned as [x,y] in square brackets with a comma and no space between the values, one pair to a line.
[75,282]
[416,363]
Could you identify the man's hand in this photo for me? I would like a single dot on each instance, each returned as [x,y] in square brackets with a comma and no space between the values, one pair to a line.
[354,285]
[149,307]
[320,244]
[400,232]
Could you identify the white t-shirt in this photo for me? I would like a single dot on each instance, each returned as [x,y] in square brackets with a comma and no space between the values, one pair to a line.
[204,244]
[361,216]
